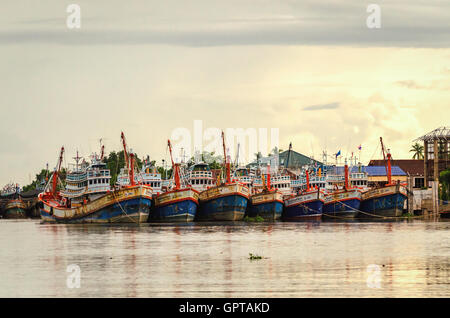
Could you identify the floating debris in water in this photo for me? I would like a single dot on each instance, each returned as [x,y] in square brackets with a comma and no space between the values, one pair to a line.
[252,257]
[254,219]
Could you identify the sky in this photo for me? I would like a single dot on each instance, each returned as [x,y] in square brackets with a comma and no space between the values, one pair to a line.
[311,69]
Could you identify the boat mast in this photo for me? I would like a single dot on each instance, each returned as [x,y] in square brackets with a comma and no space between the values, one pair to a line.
[227,164]
[131,172]
[129,159]
[56,173]
[346,175]
[268,176]
[387,162]
[307,180]
[175,167]
[102,150]
[286,165]
[125,154]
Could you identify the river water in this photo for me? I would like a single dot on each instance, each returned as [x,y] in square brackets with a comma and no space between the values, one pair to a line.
[322,259]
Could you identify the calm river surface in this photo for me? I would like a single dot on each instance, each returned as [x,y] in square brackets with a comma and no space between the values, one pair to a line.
[324,259]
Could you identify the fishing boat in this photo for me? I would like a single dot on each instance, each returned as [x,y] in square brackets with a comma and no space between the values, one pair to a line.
[14,206]
[267,204]
[226,201]
[179,204]
[387,201]
[92,200]
[307,205]
[342,203]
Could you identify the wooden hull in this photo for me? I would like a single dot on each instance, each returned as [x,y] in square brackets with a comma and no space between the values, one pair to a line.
[127,205]
[226,202]
[306,206]
[268,205]
[383,202]
[175,206]
[342,204]
[15,209]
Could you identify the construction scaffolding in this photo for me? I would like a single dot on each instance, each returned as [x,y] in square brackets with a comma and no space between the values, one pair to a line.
[436,146]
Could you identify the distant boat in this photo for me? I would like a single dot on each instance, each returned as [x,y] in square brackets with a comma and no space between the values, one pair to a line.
[148,176]
[307,205]
[225,202]
[88,197]
[387,201]
[342,203]
[178,204]
[267,204]
[200,177]
[14,207]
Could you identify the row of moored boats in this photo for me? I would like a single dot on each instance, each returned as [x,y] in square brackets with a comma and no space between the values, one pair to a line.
[195,193]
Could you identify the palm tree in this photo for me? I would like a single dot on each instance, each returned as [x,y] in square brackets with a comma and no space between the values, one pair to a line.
[417,149]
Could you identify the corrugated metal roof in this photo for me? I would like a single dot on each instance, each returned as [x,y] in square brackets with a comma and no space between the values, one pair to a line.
[411,166]
[374,170]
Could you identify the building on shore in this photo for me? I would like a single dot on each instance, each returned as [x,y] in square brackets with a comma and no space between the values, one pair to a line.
[436,155]
[412,167]
[377,175]
[290,160]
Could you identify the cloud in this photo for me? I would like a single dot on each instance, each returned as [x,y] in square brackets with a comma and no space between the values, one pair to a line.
[434,85]
[227,23]
[410,84]
[322,106]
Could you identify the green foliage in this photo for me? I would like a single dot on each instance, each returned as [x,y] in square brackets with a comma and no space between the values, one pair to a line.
[253,257]
[417,150]
[115,161]
[444,179]
[43,175]
[214,161]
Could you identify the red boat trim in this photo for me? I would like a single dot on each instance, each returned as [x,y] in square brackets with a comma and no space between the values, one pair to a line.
[175,201]
[346,199]
[303,202]
[269,201]
[179,190]
[226,195]
[383,195]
